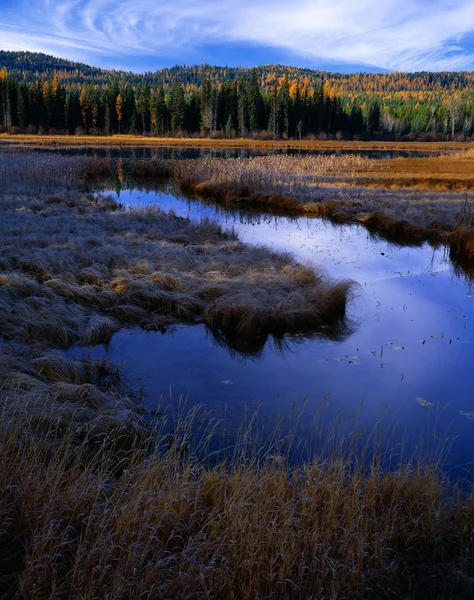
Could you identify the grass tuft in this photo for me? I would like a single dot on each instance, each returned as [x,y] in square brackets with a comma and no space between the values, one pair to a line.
[166,523]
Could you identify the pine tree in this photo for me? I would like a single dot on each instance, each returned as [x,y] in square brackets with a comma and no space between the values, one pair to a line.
[207,107]
[84,102]
[159,112]
[255,103]
[242,108]
[177,107]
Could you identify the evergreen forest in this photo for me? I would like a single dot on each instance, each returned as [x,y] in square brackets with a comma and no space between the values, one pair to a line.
[43,94]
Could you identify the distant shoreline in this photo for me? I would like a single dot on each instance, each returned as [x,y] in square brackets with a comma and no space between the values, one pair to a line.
[157,142]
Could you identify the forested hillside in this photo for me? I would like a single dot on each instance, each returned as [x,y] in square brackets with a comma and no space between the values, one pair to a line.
[40,93]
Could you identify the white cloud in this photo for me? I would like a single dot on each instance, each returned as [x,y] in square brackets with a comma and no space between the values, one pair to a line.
[390,34]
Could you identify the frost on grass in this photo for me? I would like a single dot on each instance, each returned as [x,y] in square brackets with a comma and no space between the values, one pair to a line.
[75,268]
[74,271]
[395,198]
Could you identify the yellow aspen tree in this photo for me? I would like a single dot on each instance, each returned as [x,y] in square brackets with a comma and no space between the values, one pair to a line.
[119,110]
[54,85]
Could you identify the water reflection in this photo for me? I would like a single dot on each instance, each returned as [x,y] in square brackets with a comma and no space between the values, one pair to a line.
[177,153]
[413,340]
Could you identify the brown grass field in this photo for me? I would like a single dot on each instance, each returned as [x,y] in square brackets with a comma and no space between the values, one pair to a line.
[97,502]
[449,172]
[140,140]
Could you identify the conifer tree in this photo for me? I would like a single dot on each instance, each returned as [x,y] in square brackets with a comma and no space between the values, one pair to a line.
[177,107]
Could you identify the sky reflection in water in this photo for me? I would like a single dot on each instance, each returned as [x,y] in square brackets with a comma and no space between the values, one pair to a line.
[413,336]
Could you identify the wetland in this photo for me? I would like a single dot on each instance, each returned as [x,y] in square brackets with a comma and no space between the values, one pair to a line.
[265,355]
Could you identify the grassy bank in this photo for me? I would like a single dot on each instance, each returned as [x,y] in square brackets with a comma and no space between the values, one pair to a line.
[167,524]
[431,199]
[139,140]
[146,268]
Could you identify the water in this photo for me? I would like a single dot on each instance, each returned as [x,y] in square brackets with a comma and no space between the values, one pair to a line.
[175,153]
[412,339]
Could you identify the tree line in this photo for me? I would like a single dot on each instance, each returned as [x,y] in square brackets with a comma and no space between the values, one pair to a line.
[39,93]
[239,108]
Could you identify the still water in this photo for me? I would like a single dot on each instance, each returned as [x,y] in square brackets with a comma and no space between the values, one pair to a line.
[410,355]
[176,153]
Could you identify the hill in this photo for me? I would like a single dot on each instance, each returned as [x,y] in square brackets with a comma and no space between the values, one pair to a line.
[363,103]
[31,66]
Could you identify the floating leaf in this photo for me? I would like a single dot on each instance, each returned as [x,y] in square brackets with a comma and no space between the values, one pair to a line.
[423,402]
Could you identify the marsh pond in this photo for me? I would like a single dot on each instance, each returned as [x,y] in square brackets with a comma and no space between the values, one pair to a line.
[406,359]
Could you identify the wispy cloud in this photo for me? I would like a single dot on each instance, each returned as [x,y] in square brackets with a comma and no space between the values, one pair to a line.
[389,34]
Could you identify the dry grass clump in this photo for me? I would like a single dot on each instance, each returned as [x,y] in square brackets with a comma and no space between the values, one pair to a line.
[46,389]
[168,524]
[78,270]
[309,308]
[151,169]
[96,170]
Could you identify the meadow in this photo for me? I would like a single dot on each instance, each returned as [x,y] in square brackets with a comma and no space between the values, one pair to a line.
[150,141]
[99,499]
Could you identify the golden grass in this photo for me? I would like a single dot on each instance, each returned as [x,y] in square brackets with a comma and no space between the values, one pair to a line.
[435,173]
[345,189]
[138,140]
[93,504]
[170,524]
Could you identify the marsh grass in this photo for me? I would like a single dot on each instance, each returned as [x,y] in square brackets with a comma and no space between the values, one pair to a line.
[149,141]
[34,173]
[166,521]
[346,189]
[96,504]
[77,269]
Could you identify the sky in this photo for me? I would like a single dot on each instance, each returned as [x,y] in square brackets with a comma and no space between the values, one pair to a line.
[334,35]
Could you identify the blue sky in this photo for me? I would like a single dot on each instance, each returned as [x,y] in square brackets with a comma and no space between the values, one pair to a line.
[342,35]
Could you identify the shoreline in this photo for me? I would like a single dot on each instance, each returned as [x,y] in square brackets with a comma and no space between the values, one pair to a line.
[114,141]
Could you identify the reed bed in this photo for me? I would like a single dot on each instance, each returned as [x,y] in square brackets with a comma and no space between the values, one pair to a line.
[344,189]
[34,173]
[164,522]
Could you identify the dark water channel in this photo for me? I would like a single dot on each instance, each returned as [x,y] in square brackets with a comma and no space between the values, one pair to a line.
[409,360]
[175,153]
